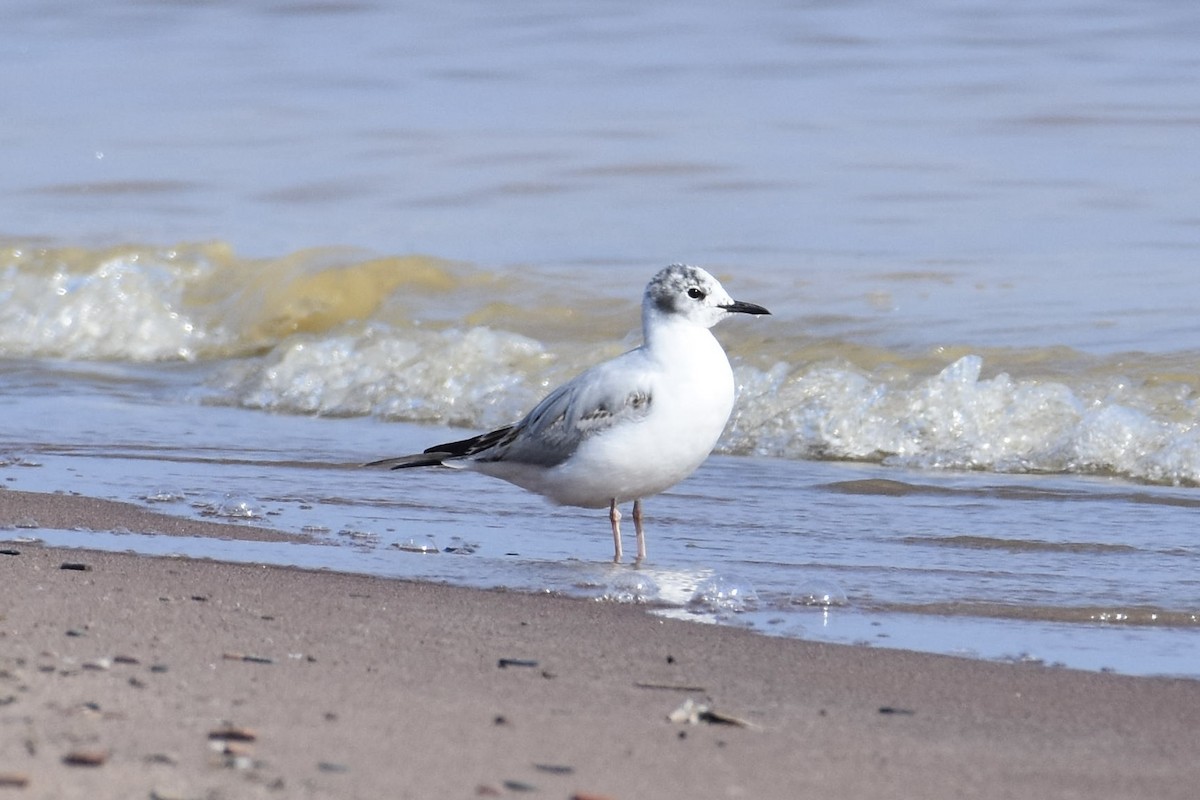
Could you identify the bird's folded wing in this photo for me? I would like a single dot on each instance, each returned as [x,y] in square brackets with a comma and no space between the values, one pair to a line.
[609,394]
[586,406]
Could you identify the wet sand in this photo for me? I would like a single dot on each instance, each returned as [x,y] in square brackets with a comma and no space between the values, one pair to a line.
[129,676]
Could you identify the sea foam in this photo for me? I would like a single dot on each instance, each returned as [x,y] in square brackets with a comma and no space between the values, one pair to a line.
[957,420]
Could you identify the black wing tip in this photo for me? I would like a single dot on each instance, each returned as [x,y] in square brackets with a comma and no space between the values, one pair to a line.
[470,446]
[437,455]
[404,462]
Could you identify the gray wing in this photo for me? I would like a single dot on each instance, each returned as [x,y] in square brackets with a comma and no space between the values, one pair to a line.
[609,394]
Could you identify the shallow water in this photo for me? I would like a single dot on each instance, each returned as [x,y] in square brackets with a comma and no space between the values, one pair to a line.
[232,270]
[1089,572]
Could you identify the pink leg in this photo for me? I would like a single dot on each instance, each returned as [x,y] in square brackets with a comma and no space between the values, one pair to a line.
[641,533]
[614,516]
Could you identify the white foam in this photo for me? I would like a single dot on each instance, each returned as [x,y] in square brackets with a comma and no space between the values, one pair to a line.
[128,307]
[475,377]
[481,378]
[956,420]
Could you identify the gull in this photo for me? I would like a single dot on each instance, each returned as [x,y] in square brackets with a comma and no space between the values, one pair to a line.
[627,428]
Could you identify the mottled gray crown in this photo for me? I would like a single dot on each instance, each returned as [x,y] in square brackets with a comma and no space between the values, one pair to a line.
[668,290]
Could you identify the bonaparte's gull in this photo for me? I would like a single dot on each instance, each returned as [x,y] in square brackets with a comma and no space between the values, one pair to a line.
[627,428]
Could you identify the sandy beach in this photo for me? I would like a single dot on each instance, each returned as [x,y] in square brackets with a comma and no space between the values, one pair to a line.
[129,676]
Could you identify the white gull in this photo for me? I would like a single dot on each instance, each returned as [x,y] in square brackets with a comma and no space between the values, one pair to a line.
[627,428]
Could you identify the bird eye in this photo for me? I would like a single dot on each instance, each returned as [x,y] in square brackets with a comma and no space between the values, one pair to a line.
[696,293]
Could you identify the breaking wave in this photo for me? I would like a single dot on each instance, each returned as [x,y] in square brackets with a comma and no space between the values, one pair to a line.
[425,340]
[957,420]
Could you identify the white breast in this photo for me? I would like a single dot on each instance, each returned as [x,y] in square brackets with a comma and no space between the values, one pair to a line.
[691,399]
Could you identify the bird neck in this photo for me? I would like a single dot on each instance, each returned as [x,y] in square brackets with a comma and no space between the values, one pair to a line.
[671,337]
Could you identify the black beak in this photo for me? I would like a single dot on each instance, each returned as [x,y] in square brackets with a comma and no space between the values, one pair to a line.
[738,307]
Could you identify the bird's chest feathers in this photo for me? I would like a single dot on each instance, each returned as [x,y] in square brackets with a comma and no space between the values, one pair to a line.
[693,387]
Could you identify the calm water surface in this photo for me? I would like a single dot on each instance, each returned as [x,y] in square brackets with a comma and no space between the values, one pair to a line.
[249,245]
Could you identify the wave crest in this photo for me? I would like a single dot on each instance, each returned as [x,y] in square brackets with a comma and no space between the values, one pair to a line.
[956,420]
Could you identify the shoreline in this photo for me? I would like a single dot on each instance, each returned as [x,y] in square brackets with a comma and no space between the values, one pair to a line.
[195,679]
